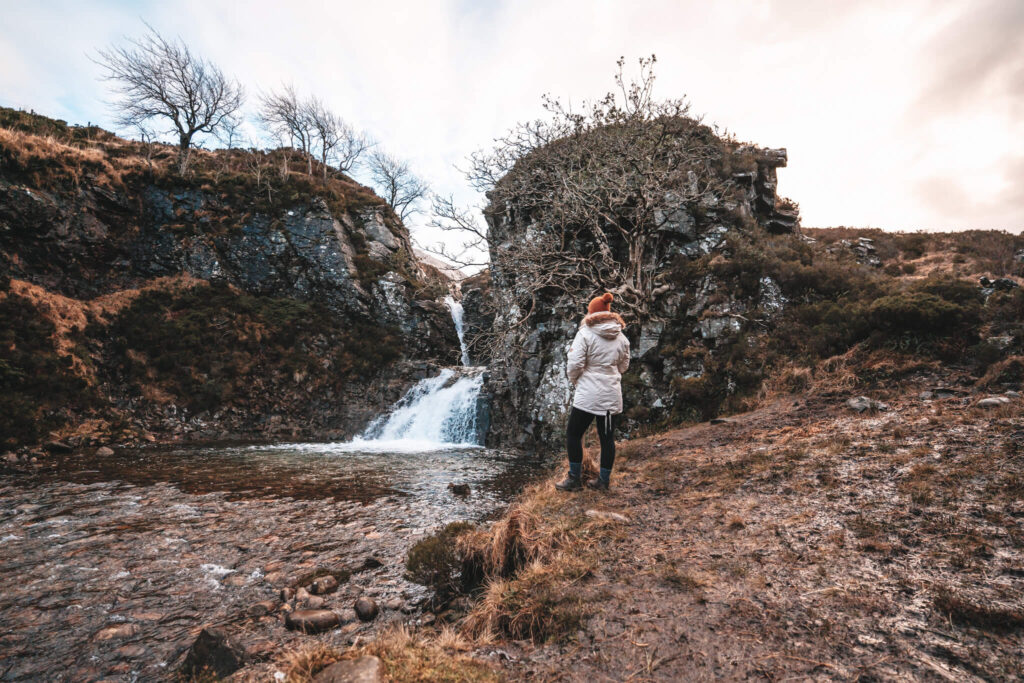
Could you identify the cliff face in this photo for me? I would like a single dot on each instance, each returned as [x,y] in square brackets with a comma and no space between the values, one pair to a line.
[323,315]
[695,320]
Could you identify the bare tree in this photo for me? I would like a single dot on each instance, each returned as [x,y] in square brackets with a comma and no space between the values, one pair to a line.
[339,143]
[229,132]
[394,180]
[156,78]
[594,190]
[288,119]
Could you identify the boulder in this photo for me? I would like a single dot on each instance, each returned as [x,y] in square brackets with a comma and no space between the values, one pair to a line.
[365,669]
[311,620]
[366,608]
[212,654]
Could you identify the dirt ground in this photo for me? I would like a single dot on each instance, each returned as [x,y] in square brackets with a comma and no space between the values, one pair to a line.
[801,541]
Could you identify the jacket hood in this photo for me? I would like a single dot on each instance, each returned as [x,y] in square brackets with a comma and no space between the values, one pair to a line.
[605,323]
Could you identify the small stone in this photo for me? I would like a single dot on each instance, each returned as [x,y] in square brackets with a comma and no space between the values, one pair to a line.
[104,451]
[302,594]
[862,403]
[323,585]
[365,669]
[459,489]
[993,402]
[117,631]
[11,457]
[347,615]
[366,608]
[394,604]
[262,608]
[275,578]
[311,620]
[604,514]
[315,602]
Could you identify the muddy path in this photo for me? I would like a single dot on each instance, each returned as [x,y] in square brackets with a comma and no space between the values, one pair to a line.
[109,566]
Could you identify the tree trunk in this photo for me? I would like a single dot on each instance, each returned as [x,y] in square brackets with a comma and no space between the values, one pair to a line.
[184,146]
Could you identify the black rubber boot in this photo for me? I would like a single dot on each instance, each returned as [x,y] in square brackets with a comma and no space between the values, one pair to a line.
[597,483]
[570,483]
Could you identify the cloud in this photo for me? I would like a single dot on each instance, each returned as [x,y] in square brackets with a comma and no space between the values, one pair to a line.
[873,99]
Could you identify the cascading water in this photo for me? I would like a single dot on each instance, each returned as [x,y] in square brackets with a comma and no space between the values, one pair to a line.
[457,313]
[438,412]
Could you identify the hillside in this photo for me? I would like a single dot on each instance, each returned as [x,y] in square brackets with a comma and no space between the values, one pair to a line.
[245,298]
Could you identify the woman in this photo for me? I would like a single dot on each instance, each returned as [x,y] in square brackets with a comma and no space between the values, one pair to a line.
[599,356]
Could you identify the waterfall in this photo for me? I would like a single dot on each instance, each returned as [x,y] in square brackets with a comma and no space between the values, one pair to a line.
[437,410]
[457,312]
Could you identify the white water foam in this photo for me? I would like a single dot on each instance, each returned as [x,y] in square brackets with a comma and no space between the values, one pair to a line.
[457,315]
[438,410]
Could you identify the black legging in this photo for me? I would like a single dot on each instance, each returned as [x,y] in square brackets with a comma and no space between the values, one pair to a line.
[579,420]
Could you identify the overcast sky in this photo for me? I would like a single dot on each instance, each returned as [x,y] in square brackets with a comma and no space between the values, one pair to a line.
[901,115]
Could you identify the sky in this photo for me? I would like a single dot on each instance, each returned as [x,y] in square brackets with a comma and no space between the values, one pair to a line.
[903,115]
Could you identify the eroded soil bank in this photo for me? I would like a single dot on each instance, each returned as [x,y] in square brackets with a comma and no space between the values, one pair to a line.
[109,566]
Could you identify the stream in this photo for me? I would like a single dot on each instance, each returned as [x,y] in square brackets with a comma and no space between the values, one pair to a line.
[110,565]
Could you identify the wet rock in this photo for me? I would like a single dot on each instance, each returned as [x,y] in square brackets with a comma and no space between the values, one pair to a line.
[104,451]
[311,620]
[117,632]
[323,585]
[366,609]
[347,615]
[262,608]
[366,669]
[459,489]
[57,447]
[212,653]
[993,402]
[863,403]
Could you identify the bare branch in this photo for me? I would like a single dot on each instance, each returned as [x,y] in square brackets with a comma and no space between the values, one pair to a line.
[156,78]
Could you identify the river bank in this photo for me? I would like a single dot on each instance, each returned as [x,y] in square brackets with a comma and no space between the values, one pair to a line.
[801,539]
[113,564]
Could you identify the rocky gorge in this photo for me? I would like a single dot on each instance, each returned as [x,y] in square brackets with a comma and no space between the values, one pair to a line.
[220,305]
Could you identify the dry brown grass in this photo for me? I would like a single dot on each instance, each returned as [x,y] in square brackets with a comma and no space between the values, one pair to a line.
[405,656]
[70,316]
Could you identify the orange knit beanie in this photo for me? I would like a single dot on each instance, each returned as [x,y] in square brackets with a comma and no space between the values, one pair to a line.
[601,303]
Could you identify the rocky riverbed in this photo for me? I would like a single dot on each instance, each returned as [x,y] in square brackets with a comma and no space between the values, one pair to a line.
[110,566]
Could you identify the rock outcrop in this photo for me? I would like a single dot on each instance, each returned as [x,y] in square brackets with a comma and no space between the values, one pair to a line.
[86,225]
[696,317]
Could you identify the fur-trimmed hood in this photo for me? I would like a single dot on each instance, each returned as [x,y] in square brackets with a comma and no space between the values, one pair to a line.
[605,323]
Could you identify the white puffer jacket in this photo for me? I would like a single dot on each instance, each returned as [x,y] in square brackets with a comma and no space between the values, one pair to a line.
[599,356]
